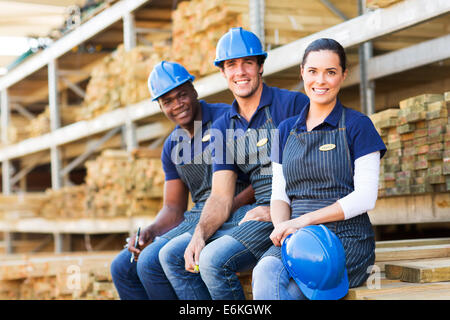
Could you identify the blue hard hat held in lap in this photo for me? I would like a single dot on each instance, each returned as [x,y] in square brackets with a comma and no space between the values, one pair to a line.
[315,259]
[166,76]
[238,43]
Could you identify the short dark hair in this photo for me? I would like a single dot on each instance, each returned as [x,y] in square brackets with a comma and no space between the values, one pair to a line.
[327,44]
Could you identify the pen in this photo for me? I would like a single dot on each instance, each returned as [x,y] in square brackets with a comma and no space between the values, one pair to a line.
[136,243]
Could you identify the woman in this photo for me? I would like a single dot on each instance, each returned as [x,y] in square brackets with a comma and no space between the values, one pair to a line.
[325,171]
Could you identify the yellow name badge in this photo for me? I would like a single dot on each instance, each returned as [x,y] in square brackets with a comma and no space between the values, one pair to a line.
[262,142]
[206,137]
[327,147]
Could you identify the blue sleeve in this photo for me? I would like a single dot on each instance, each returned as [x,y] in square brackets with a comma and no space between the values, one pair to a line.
[279,141]
[364,138]
[221,157]
[169,168]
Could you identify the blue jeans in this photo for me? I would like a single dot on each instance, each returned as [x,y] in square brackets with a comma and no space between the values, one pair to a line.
[219,262]
[142,280]
[271,281]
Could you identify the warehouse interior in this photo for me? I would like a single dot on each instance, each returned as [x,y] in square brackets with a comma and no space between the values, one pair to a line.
[81,138]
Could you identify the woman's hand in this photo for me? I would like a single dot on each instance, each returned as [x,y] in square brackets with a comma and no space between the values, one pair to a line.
[285,228]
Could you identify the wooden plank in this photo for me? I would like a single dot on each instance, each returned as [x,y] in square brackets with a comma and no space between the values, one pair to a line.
[417,252]
[393,287]
[426,294]
[412,242]
[422,271]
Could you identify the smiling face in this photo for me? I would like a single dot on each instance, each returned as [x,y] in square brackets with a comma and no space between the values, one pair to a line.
[180,105]
[243,76]
[322,77]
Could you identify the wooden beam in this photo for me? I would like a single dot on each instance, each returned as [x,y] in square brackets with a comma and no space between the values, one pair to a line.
[422,271]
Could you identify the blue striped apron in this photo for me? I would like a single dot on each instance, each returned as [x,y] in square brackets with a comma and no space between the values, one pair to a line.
[316,179]
[197,176]
[253,159]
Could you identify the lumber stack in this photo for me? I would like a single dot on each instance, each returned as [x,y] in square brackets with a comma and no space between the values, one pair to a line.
[416,269]
[121,79]
[19,206]
[57,276]
[199,24]
[67,202]
[417,136]
[124,184]
[374,4]
[18,128]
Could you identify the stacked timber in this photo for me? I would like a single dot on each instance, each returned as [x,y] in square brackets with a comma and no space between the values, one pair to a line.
[18,129]
[417,136]
[41,123]
[375,4]
[24,205]
[199,24]
[67,202]
[120,183]
[121,79]
[57,276]
[417,269]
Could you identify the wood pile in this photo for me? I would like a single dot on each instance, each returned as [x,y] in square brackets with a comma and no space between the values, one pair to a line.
[121,79]
[375,4]
[408,270]
[18,128]
[199,24]
[57,276]
[24,205]
[417,136]
[67,202]
[123,184]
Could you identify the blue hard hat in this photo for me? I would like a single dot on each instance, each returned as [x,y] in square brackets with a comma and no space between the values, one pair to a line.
[166,76]
[315,259]
[238,43]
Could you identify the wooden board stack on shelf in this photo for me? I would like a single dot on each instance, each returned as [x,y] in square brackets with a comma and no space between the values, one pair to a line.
[417,269]
[65,276]
[123,184]
[199,24]
[67,202]
[417,137]
[121,79]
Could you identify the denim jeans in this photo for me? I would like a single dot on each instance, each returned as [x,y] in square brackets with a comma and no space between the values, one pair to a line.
[271,281]
[142,280]
[219,262]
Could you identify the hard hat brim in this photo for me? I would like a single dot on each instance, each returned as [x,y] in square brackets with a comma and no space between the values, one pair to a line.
[191,78]
[332,294]
[218,62]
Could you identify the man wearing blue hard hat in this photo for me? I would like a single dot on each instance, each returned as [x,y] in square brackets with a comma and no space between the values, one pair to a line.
[136,271]
[248,127]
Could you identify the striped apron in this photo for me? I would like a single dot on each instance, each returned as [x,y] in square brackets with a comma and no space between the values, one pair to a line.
[197,176]
[316,179]
[252,156]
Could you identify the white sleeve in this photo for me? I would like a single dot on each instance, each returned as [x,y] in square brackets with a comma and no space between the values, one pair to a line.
[278,184]
[364,197]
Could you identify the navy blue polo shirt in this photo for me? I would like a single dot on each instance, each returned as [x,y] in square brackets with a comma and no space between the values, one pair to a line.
[362,137]
[282,105]
[210,112]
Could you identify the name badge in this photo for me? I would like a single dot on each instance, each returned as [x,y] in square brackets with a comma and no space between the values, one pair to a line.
[206,137]
[262,142]
[327,147]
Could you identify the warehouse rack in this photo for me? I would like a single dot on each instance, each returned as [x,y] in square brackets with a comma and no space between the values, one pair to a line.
[281,67]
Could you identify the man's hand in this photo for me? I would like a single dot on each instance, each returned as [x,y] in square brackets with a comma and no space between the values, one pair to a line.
[192,253]
[145,239]
[261,213]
